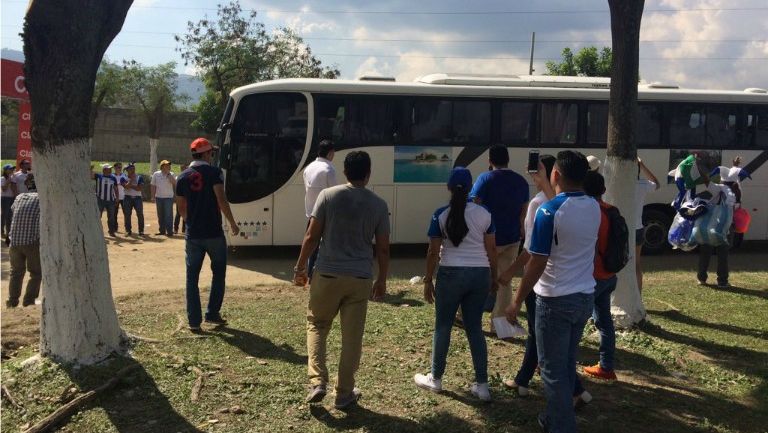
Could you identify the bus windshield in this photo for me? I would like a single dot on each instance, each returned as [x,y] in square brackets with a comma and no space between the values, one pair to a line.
[267,143]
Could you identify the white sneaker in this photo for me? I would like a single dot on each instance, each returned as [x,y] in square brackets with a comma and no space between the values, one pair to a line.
[481,391]
[428,382]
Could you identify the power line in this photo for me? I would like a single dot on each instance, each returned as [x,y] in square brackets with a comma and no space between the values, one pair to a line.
[473,41]
[464,13]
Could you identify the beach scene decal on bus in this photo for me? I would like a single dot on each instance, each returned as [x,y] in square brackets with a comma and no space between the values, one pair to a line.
[422,164]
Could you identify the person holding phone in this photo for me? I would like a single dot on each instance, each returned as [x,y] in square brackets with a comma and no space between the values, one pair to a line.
[462,237]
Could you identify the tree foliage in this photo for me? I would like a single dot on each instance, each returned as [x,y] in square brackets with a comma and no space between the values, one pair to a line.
[107,90]
[586,63]
[151,90]
[234,49]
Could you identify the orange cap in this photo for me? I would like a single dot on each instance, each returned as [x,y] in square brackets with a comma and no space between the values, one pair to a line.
[200,145]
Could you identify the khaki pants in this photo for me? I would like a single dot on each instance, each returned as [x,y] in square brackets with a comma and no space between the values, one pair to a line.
[330,295]
[24,258]
[506,256]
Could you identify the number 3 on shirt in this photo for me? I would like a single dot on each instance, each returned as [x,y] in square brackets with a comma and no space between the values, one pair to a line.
[196,182]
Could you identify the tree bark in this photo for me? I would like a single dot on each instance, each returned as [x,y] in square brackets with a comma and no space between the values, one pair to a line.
[64,43]
[621,164]
[153,144]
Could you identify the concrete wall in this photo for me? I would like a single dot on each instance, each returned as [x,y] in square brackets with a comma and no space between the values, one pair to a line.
[120,136]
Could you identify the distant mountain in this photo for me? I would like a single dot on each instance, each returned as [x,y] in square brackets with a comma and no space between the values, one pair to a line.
[188,85]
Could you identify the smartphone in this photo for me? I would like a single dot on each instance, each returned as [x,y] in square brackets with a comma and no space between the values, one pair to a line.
[533,160]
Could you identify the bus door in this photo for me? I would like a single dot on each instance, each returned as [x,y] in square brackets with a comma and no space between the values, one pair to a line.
[267,140]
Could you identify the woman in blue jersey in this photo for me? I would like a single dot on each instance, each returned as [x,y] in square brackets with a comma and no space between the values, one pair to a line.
[462,239]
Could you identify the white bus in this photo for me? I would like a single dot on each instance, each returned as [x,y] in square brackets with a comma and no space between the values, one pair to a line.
[416,132]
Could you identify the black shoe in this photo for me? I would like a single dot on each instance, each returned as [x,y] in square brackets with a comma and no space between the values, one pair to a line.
[195,329]
[112,234]
[12,304]
[129,233]
[27,303]
[219,321]
[159,233]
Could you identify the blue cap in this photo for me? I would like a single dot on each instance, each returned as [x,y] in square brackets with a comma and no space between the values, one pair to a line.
[460,176]
[8,167]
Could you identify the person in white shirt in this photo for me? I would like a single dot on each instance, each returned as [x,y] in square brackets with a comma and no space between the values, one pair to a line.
[643,187]
[7,199]
[163,185]
[560,272]
[19,179]
[462,236]
[318,176]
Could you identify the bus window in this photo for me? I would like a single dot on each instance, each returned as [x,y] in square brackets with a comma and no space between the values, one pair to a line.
[687,126]
[371,121]
[559,123]
[431,122]
[267,143]
[757,127]
[721,126]
[471,123]
[329,118]
[597,124]
[648,128]
[516,121]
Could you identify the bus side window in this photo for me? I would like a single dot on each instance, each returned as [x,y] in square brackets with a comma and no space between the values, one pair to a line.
[517,121]
[687,126]
[471,123]
[648,132]
[721,126]
[597,124]
[757,128]
[559,122]
[431,121]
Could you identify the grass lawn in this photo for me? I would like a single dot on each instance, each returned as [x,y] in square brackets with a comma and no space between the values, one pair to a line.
[700,364]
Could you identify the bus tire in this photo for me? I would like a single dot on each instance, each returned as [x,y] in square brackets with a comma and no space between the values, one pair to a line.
[657,224]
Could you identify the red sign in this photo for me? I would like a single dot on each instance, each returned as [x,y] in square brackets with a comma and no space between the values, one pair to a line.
[24,145]
[13,80]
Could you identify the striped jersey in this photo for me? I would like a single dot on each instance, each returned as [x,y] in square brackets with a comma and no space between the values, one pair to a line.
[105,187]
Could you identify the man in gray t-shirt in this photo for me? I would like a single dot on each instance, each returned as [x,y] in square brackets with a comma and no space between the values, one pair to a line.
[343,222]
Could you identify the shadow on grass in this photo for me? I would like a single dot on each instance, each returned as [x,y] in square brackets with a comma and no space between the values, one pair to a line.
[360,418]
[741,291]
[257,346]
[134,405]
[399,299]
[679,317]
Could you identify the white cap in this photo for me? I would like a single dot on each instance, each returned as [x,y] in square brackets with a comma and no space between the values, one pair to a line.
[594,163]
[105,166]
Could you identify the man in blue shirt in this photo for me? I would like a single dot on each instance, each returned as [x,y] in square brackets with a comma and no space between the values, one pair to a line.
[201,201]
[560,271]
[505,194]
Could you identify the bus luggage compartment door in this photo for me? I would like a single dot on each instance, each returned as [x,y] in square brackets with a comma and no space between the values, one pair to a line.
[255,222]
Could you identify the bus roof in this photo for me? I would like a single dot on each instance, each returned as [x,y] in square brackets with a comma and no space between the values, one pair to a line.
[501,86]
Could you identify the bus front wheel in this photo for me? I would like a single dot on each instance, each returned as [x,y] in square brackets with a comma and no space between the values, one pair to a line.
[657,224]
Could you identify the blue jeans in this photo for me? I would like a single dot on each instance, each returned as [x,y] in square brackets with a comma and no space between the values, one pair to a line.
[129,204]
[604,322]
[196,249]
[109,206]
[559,324]
[165,215]
[531,357]
[465,287]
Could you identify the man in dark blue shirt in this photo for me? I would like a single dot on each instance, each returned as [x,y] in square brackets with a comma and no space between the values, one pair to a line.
[201,201]
[505,194]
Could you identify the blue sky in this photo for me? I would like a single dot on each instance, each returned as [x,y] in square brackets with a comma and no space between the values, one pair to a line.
[699,44]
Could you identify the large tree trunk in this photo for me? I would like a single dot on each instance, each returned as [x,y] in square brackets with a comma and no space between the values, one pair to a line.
[153,144]
[64,42]
[621,164]
[79,321]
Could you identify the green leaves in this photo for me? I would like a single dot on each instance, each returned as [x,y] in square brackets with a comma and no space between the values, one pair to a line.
[586,63]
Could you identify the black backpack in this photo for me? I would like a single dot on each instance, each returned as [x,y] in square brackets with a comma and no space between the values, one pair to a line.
[617,254]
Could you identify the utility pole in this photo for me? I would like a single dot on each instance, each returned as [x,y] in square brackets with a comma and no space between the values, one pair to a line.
[533,42]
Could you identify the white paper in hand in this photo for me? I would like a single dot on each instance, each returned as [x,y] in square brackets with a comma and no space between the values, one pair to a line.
[504,329]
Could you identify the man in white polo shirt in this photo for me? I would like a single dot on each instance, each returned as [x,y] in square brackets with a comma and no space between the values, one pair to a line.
[163,184]
[318,176]
[560,272]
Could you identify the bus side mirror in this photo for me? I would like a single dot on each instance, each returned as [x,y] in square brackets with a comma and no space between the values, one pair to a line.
[225,154]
